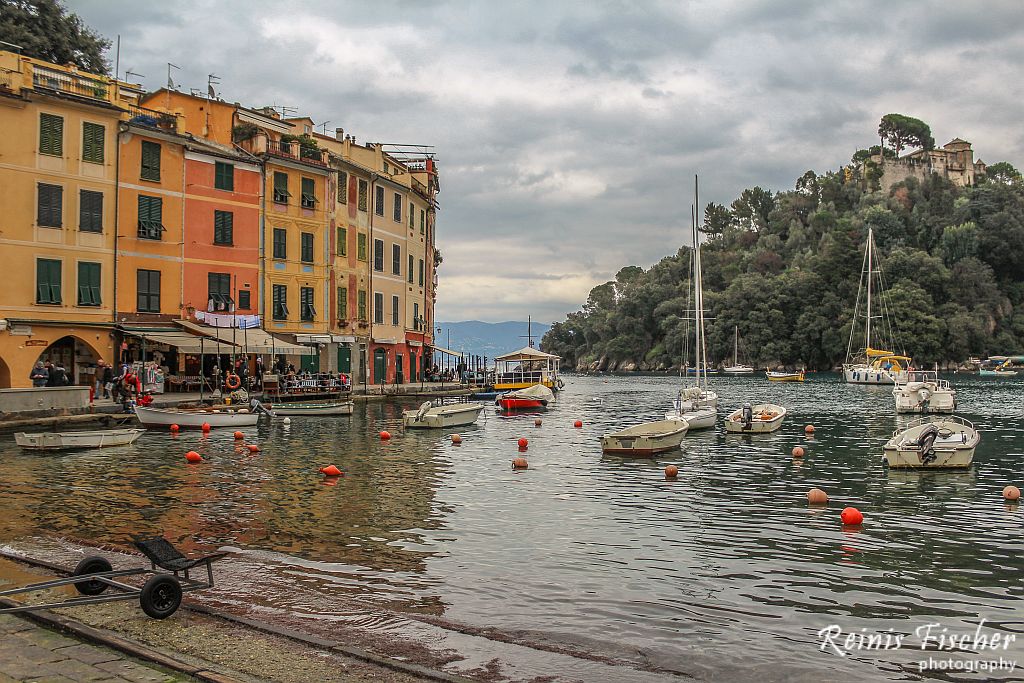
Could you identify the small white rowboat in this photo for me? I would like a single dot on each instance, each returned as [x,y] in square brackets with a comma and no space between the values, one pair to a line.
[762,419]
[439,417]
[933,442]
[646,439]
[163,417]
[313,409]
[100,438]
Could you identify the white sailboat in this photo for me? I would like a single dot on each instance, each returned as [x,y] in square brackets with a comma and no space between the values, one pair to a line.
[872,366]
[737,368]
[697,406]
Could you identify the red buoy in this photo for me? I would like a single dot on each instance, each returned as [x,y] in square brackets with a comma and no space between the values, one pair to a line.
[809,429]
[206,426]
[1011,493]
[239,435]
[671,472]
[520,464]
[798,452]
[253,448]
[456,439]
[193,457]
[331,471]
[817,497]
[523,443]
[851,516]
[385,435]
[175,428]
[577,424]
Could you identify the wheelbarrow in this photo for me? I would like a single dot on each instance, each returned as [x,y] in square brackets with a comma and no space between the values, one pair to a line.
[160,595]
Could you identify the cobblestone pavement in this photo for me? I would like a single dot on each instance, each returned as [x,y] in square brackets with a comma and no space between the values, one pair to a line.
[29,652]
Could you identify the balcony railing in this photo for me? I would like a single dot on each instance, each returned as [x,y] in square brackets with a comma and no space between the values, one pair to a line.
[293,150]
[69,83]
[152,118]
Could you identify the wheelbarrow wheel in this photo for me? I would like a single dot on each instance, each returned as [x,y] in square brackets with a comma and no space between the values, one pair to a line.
[161,596]
[94,564]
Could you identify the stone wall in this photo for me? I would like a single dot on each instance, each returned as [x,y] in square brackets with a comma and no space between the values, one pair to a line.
[16,403]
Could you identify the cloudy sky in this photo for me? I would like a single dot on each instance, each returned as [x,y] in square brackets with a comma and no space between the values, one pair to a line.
[568,133]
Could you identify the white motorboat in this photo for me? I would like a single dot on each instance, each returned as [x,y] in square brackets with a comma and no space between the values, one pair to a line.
[933,442]
[100,438]
[871,365]
[924,392]
[646,439]
[430,416]
[761,418]
[312,409]
[737,368]
[215,417]
[692,407]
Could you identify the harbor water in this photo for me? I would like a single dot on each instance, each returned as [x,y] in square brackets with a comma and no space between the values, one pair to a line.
[583,566]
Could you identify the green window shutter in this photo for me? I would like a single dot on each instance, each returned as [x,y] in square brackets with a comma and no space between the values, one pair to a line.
[363,192]
[342,187]
[223,227]
[423,220]
[410,269]
[281,193]
[151,217]
[88,284]
[361,246]
[280,243]
[49,212]
[421,272]
[48,276]
[308,193]
[147,287]
[412,216]
[342,241]
[51,134]
[306,253]
[150,161]
[93,139]
[361,295]
[90,211]
[342,303]
[224,176]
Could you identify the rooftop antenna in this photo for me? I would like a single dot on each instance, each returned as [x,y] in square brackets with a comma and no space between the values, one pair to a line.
[212,80]
[324,126]
[170,82]
[284,110]
[129,72]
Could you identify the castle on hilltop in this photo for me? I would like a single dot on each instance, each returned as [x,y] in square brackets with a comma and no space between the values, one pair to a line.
[953,161]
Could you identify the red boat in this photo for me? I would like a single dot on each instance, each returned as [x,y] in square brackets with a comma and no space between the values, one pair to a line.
[536,396]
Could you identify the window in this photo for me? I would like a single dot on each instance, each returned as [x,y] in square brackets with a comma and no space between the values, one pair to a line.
[90,211]
[361,246]
[378,201]
[50,208]
[224,176]
[412,216]
[307,247]
[281,193]
[280,243]
[51,135]
[150,161]
[342,241]
[416,316]
[219,288]
[378,255]
[88,284]
[147,286]
[308,312]
[280,302]
[308,193]
[394,311]
[378,308]
[151,213]
[361,304]
[421,272]
[342,187]
[409,270]
[223,227]
[398,208]
[396,259]
[47,281]
[423,220]
[362,194]
[93,138]
[342,303]
[244,303]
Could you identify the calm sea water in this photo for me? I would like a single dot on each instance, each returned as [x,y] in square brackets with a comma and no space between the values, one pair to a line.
[723,573]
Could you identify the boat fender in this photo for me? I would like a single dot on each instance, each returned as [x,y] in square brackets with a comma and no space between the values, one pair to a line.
[561,384]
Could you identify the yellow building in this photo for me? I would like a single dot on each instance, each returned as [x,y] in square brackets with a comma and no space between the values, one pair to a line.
[57,173]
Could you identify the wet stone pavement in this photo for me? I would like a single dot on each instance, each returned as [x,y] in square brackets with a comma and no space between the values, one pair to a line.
[29,652]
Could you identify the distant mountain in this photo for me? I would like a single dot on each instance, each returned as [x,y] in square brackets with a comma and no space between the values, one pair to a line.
[488,339]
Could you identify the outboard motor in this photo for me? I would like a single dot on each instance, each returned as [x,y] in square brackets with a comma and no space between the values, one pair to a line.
[748,416]
[926,443]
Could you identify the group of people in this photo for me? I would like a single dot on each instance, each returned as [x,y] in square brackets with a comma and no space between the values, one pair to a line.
[49,375]
[123,386]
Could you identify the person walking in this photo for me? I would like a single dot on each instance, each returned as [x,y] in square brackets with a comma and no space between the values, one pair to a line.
[59,375]
[39,375]
[107,379]
[98,379]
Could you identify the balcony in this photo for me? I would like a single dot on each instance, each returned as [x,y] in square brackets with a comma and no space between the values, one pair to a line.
[151,118]
[7,79]
[296,152]
[70,84]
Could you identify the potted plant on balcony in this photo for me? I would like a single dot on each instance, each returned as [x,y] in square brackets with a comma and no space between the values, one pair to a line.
[244,131]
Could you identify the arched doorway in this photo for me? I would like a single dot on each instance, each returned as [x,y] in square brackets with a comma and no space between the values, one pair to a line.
[5,375]
[78,358]
[380,366]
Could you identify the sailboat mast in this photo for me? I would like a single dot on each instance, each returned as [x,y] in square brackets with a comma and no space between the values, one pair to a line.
[867,326]
[735,345]
[702,367]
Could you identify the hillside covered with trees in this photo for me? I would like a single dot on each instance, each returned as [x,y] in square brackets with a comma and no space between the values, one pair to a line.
[785,267]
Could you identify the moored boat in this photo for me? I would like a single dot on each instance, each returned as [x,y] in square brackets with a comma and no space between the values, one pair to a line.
[737,368]
[761,418]
[781,376]
[429,416]
[933,442]
[533,397]
[997,373]
[924,392]
[225,417]
[100,438]
[313,408]
[526,367]
[646,439]
[692,407]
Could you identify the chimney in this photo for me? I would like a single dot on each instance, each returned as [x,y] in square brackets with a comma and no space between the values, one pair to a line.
[339,134]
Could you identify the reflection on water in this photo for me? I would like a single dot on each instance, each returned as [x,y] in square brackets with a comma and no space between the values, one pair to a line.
[582,548]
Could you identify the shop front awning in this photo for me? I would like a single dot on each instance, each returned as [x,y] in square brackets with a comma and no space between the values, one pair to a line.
[252,340]
[169,336]
[448,352]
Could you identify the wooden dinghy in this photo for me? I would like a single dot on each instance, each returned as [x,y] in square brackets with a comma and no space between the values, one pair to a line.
[761,418]
[646,439]
[933,442]
[100,438]
[430,416]
[163,417]
[313,408]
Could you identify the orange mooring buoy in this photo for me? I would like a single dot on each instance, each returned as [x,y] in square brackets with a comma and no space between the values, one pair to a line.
[523,443]
[1011,493]
[809,429]
[817,497]
[239,436]
[385,435]
[175,428]
[671,472]
[331,471]
[577,424]
[520,464]
[851,516]
[253,448]
[206,426]
[456,439]
[798,452]
[192,456]
[537,422]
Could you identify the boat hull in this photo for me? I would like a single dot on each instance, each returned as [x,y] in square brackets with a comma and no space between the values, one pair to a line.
[785,376]
[441,417]
[863,374]
[73,440]
[646,439]
[159,417]
[701,418]
[768,418]
[953,448]
[738,370]
[912,400]
[521,403]
[997,373]
[313,409]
